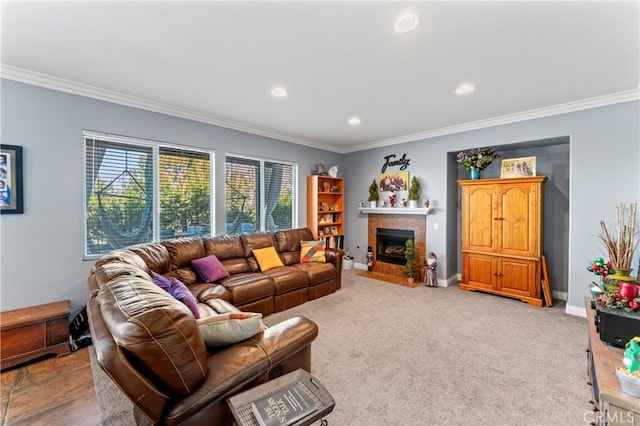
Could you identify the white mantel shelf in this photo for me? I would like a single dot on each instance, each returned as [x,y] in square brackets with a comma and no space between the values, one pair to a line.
[394,210]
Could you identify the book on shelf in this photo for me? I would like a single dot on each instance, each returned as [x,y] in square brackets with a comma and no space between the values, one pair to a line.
[284,407]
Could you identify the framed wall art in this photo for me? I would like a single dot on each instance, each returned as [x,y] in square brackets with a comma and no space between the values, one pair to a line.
[518,167]
[394,181]
[11,196]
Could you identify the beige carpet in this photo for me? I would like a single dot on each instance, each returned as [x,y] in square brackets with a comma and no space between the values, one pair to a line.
[393,355]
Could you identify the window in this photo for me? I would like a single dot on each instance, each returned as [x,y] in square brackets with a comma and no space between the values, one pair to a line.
[260,195]
[140,191]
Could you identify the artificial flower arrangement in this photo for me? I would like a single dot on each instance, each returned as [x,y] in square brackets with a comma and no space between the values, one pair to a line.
[478,159]
[623,296]
[615,300]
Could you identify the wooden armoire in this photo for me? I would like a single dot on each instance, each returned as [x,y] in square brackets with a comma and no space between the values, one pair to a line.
[502,237]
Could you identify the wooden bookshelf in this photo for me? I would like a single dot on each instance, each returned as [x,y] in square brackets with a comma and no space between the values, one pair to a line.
[325,208]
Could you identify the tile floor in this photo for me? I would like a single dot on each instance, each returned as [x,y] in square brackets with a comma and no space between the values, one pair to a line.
[52,391]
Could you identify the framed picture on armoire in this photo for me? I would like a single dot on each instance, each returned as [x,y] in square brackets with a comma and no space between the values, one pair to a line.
[518,167]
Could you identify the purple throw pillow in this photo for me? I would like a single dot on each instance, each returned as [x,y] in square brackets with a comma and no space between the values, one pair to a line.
[182,293]
[161,281]
[209,268]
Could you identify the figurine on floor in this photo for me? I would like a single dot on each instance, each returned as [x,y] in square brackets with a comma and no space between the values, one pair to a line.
[430,276]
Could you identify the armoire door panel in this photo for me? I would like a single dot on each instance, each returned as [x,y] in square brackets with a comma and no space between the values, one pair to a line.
[480,270]
[478,225]
[516,276]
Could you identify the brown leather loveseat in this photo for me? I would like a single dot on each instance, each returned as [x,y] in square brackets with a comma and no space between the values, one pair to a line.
[150,345]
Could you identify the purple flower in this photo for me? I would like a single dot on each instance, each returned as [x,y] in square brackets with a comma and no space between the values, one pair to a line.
[478,158]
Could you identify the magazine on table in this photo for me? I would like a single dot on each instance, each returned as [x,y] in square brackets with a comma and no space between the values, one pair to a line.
[284,407]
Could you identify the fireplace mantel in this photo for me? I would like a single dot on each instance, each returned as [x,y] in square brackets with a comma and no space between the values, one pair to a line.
[395,210]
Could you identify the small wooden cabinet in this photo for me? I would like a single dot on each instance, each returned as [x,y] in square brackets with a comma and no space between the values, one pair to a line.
[611,406]
[29,333]
[502,237]
[325,207]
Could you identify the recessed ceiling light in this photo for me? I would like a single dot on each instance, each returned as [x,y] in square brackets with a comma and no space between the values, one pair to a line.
[406,23]
[463,89]
[279,92]
[354,121]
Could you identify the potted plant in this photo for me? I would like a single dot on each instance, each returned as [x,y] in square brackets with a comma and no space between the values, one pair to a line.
[414,190]
[373,194]
[476,160]
[629,375]
[411,266]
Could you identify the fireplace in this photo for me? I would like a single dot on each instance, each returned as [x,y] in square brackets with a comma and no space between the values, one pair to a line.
[390,245]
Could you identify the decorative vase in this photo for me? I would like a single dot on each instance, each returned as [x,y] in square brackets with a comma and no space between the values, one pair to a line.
[622,275]
[413,204]
[372,204]
[474,174]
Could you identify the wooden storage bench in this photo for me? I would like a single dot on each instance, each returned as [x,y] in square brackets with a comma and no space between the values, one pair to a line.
[29,333]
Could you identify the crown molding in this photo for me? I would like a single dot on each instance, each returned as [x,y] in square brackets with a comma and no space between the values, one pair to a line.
[595,102]
[76,88]
[50,82]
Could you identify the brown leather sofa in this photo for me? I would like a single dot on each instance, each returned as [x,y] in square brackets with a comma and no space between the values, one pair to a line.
[149,344]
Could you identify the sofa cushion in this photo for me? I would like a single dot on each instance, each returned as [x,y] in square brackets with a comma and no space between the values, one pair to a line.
[157,330]
[312,251]
[183,251]
[108,271]
[182,293]
[229,251]
[288,244]
[155,256]
[289,239]
[226,329]
[317,272]
[248,287]
[209,268]
[288,278]
[256,241]
[267,258]
[124,256]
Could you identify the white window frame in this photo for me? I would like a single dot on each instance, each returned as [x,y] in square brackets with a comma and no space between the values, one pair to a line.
[294,185]
[155,146]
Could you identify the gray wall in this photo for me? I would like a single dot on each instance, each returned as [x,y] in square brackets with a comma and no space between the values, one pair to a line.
[602,171]
[41,251]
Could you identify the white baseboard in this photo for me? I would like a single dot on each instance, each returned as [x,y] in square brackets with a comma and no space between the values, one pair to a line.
[455,280]
[576,310]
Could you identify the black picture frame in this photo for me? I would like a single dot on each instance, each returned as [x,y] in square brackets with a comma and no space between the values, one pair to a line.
[11,192]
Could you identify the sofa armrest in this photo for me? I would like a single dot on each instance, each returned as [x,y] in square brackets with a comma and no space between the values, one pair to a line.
[334,256]
[244,365]
[113,361]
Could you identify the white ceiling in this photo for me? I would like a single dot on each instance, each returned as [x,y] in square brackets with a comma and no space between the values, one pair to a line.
[218,61]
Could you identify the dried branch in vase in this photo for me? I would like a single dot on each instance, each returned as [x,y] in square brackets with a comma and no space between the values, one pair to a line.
[620,245]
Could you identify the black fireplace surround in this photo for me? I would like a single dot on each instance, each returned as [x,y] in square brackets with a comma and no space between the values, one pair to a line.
[390,245]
